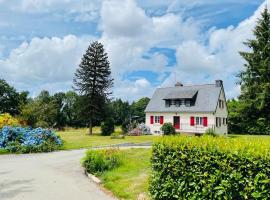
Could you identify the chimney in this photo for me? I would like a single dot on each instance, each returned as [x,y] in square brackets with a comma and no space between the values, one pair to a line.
[219,83]
[178,84]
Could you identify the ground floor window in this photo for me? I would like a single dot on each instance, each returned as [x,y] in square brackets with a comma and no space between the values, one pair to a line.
[218,121]
[199,120]
[157,119]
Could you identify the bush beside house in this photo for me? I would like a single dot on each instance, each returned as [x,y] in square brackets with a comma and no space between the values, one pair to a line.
[210,168]
[168,129]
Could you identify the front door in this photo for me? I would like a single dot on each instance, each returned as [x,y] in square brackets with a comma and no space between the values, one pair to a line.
[176,122]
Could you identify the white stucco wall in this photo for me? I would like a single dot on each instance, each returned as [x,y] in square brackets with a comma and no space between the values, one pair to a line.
[222,113]
[184,122]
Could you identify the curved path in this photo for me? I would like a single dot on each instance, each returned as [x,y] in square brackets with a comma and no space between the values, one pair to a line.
[53,176]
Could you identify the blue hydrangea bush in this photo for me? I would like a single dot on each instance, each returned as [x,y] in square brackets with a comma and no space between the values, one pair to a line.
[27,140]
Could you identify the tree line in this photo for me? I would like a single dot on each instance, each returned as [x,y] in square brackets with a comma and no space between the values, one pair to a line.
[64,108]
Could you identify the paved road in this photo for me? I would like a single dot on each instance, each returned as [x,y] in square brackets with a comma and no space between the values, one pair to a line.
[47,176]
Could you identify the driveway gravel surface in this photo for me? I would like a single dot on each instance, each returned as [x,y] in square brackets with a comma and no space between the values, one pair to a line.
[47,176]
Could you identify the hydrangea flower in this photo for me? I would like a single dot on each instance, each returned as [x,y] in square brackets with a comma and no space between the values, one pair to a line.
[27,137]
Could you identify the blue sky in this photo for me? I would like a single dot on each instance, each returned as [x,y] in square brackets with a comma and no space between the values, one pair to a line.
[150,43]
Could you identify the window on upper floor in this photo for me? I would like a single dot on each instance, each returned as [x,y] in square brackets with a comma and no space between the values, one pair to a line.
[221,103]
[187,102]
[179,102]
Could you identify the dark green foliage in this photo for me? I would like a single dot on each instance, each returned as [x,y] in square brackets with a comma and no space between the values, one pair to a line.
[107,127]
[168,129]
[125,126]
[9,99]
[209,168]
[98,161]
[236,121]
[41,111]
[255,79]
[120,111]
[138,107]
[93,81]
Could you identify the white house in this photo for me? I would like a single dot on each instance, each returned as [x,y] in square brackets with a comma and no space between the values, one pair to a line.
[191,109]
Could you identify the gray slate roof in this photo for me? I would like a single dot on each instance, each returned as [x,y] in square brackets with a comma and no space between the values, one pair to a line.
[185,93]
[206,100]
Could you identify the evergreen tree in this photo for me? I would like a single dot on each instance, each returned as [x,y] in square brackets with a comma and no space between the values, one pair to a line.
[93,81]
[255,79]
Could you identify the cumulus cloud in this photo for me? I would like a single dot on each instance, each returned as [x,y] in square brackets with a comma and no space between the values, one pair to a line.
[47,63]
[218,58]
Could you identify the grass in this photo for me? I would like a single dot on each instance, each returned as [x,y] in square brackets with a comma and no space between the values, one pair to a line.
[3,151]
[79,138]
[130,180]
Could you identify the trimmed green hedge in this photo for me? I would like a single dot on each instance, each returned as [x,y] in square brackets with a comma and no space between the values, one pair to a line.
[210,168]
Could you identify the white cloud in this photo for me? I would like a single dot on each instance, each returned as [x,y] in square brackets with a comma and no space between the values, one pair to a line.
[133,90]
[219,58]
[79,10]
[43,63]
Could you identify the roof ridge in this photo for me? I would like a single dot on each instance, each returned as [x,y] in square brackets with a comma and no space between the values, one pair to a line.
[185,86]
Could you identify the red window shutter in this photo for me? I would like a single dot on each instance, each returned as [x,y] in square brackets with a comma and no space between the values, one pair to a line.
[151,119]
[161,120]
[205,121]
[192,122]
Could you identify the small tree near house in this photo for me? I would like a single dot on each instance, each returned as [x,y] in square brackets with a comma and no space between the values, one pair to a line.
[93,80]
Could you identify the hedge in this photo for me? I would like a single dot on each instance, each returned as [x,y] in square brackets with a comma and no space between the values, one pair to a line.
[210,168]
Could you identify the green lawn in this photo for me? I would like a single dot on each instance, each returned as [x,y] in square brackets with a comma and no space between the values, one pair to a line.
[3,151]
[79,138]
[130,180]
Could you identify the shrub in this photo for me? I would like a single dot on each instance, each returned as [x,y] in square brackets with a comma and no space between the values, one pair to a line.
[107,127]
[168,129]
[210,132]
[7,120]
[27,140]
[98,161]
[210,168]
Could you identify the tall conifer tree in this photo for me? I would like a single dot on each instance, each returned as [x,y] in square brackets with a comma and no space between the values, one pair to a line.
[93,80]
[255,78]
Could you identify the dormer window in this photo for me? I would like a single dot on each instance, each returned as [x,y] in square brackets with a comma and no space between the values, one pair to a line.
[179,98]
[179,102]
[187,103]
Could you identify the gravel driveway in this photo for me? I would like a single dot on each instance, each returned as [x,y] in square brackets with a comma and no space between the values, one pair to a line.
[47,176]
